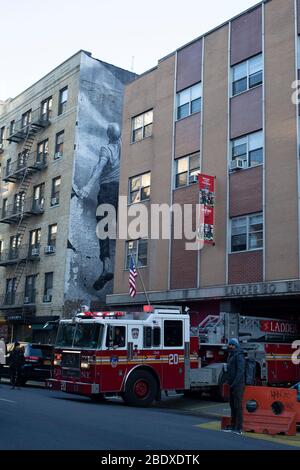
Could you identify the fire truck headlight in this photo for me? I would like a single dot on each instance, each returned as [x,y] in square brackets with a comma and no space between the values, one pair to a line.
[57,359]
[85,365]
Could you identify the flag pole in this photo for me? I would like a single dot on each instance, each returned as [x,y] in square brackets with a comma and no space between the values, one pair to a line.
[142,282]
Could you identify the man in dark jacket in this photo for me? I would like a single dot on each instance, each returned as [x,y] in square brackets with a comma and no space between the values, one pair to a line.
[16,362]
[236,381]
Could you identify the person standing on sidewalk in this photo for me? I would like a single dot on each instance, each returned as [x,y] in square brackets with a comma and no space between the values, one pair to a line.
[236,381]
[2,355]
[16,360]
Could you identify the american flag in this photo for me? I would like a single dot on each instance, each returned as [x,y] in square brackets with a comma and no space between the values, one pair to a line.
[132,276]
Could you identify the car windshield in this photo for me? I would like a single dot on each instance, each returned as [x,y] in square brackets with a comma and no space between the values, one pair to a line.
[80,335]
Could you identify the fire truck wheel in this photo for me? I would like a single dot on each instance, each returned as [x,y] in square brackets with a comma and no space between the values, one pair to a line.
[141,389]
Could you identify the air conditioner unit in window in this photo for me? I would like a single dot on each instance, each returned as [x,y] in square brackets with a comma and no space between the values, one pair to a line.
[26,300]
[35,252]
[49,249]
[54,201]
[47,298]
[193,179]
[58,155]
[238,164]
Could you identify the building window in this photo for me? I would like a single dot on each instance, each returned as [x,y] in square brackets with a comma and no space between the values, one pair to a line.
[4,208]
[46,108]
[55,191]
[19,202]
[138,249]
[22,159]
[42,151]
[139,188]
[189,101]
[12,127]
[63,98]
[34,242]
[142,126]
[2,132]
[52,234]
[26,118]
[59,145]
[29,297]
[186,170]
[14,245]
[39,197]
[10,291]
[247,233]
[249,149]
[48,287]
[247,75]
[35,238]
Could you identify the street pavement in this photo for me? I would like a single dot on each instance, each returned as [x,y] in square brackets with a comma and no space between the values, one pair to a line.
[34,418]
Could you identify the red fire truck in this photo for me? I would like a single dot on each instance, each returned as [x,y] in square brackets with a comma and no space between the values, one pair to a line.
[139,355]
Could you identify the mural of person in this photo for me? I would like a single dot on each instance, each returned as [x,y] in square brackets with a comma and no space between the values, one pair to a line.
[106,173]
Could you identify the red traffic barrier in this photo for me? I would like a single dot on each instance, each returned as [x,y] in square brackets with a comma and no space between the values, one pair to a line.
[269,410]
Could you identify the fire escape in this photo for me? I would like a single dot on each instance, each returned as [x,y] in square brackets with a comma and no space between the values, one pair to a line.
[20,172]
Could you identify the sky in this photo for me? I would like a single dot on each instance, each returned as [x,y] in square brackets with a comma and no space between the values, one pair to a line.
[36,35]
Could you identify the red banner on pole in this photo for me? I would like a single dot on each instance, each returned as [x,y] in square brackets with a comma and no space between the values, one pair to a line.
[207,201]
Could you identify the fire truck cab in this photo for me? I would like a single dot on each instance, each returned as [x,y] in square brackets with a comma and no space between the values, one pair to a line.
[134,355]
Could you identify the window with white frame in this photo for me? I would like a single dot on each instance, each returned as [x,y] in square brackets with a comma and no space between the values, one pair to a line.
[247,75]
[138,249]
[142,126]
[189,101]
[139,188]
[186,170]
[247,233]
[249,148]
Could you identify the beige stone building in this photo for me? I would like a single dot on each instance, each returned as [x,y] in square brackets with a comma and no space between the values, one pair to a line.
[222,106]
[50,142]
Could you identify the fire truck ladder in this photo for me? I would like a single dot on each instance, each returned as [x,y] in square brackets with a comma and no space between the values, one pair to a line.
[22,264]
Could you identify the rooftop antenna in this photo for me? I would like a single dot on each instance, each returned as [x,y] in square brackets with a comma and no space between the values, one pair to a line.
[132,64]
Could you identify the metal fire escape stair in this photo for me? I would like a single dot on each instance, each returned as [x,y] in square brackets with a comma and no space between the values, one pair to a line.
[21,266]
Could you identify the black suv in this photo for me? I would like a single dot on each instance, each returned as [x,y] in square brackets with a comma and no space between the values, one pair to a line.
[38,361]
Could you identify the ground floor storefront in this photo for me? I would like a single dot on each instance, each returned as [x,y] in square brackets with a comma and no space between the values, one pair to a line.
[32,329]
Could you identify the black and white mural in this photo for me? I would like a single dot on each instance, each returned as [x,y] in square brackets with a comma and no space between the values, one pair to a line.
[90,261]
